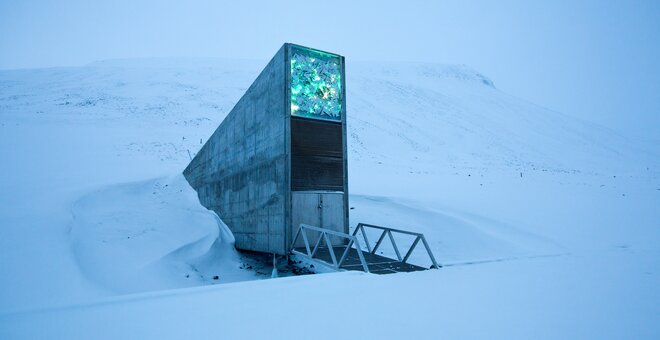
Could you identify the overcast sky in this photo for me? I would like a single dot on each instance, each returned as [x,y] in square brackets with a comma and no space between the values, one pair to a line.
[596,60]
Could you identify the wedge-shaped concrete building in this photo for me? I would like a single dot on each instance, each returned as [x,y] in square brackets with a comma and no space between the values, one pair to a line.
[279,157]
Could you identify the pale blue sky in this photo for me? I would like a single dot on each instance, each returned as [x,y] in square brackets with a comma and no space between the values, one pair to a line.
[596,60]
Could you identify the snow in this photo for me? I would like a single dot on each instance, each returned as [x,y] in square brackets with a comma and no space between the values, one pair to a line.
[151,235]
[547,226]
[545,298]
[454,236]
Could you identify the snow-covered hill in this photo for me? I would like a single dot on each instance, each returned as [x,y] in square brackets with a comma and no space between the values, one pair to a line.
[543,219]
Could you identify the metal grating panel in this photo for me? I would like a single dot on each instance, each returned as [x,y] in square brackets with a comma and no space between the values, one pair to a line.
[316,155]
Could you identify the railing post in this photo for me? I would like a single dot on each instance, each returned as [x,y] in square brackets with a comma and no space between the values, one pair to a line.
[364,235]
[331,250]
[304,234]
[318,243]
[396,249]
[380,239]
[361,256]
[412,247]
[348,247]
[428,250]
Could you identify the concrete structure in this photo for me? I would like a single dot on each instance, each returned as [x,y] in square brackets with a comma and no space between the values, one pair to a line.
[279,157]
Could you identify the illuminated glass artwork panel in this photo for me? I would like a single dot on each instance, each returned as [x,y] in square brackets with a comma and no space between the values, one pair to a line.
[315,84]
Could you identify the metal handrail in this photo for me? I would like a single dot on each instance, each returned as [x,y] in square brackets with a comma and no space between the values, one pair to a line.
[388,231]
[352,240]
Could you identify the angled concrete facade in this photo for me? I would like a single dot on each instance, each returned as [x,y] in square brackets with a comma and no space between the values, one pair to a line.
[244,171]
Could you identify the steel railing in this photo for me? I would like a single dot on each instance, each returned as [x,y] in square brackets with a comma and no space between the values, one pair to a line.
[388,231]
[324,234]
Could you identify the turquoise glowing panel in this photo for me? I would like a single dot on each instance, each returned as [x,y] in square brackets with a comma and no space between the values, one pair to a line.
[315,84]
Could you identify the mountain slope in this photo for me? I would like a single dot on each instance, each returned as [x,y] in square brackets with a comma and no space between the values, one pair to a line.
[506,192]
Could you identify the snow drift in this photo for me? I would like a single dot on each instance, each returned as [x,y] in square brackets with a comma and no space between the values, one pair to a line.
[152,235]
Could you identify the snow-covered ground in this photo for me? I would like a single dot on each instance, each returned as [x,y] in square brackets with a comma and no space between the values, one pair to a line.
[548,226]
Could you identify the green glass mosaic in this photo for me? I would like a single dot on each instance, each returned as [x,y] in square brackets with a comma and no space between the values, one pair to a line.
[315,84]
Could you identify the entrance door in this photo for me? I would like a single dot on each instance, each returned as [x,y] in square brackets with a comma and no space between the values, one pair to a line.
[319,209]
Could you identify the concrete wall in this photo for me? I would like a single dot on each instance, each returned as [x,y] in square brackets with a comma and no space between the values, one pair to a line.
[242,172]
[345,143]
